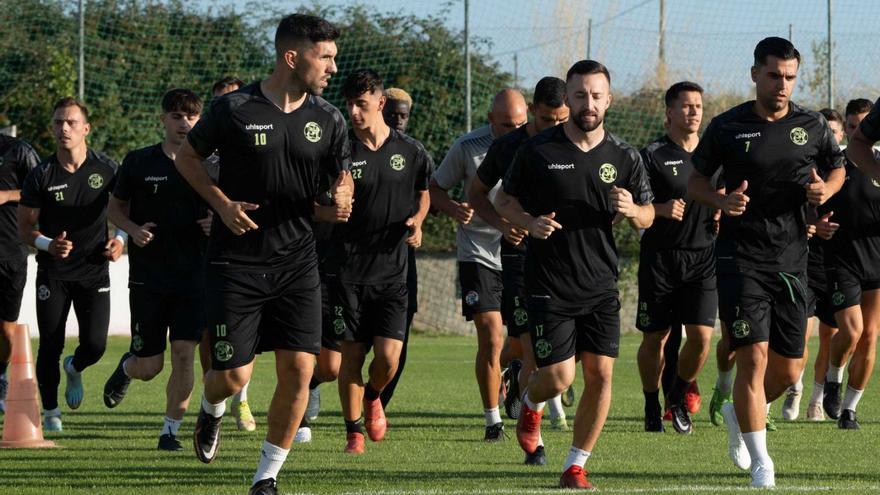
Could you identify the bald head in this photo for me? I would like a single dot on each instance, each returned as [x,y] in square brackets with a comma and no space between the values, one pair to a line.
[509,111]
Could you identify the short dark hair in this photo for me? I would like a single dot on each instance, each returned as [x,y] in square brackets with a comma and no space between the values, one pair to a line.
[586,67]
[831,115]
[857,106]
[297,28]
[679,88]
[777,47]
[225,83]
[69,101]
[550,91]
[182,100]
[361,81]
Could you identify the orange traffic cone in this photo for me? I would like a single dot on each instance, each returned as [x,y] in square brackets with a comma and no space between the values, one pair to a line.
[22,427]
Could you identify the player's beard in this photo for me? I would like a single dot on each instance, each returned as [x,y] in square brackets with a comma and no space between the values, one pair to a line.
[588,127]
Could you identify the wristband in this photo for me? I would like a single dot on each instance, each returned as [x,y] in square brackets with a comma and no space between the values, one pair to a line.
[122,236]
[42,243]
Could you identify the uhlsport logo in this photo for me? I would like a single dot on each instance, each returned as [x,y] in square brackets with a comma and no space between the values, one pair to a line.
[398,162]
[799,136]
[96,181]
[43,293]
[608,173]
[312,132]
[223,351]
[471,298]
[543,348]
[741,329]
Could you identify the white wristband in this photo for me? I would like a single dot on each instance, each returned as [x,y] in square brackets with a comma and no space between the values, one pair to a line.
[122,236]
[42,243]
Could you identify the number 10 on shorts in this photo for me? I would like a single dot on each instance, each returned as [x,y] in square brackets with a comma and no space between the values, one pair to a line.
[221,330]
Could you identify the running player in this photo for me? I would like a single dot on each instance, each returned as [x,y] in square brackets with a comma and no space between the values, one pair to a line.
[768,149]
[280,146]
[160,212]
[368,260]
[566,187]
[547,109]
[854,283]
[63,213]
[479,256]
[17,159]
[676,263]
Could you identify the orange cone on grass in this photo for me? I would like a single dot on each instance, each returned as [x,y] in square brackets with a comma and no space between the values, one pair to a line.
[22,427]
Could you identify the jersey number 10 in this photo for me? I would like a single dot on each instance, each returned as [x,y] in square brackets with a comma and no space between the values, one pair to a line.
[260,139]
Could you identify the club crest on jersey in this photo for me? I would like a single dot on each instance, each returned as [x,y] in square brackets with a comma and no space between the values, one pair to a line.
[608,173]
[43,293]
[312,132]
[543,348]
[471,298]
[96,181]
[799,136]
[741,329]
[398,162]
[223,351]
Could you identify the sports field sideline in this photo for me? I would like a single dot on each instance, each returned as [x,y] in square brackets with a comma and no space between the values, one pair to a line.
[434,444]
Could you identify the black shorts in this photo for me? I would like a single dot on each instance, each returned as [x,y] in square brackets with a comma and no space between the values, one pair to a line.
[481,288]
[329,340]
[249,313]
[676,286]
[820,299]
[13,275]
[558,335]
[513,294]
[762,306]
[361,312]
[847,285]
[156,316]
[412,282]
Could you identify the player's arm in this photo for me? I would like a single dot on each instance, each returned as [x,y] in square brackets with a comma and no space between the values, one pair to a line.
[118,211]
[59,247]
[860,151]
[415,222]
[451,172]
[10,196]
[233,213]
[540,227]
[635,201]
[479,196]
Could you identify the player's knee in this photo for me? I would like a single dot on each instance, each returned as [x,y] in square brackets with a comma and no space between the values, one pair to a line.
[151,369]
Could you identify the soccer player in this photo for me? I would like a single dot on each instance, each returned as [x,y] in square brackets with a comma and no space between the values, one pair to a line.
[368,260]
[770,150]
[821,306]
[676,262]
[63,213]
[479,256]
[566,187]
[227,84]
[547,109]
[398,109]
[160,213]
[280,146]
[17,159]
[854,281]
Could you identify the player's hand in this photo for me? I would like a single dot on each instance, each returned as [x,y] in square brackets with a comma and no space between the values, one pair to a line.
[415,232]
[513,234]
[672,209]
[622,202]
[811,231]
[463,213]
[543,226]
[342,190]
[332,213]
[234,216]
[142,236]
[817,193]
[60,247]
[825,228]
[735,202]
[716,222]
[205,223]
[113,249]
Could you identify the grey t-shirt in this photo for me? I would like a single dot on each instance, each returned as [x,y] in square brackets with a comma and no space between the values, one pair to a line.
[477,241]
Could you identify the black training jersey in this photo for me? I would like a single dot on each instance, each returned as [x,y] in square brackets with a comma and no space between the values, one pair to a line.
[870,125]
[498,159]
[857,206]
[276,160]
[17,159]
[551,174]
[669,168]
[75,203]
[174,260]
[371,247]
[776,158]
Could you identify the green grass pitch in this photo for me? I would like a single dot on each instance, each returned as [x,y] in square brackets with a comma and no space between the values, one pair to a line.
[434,443]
